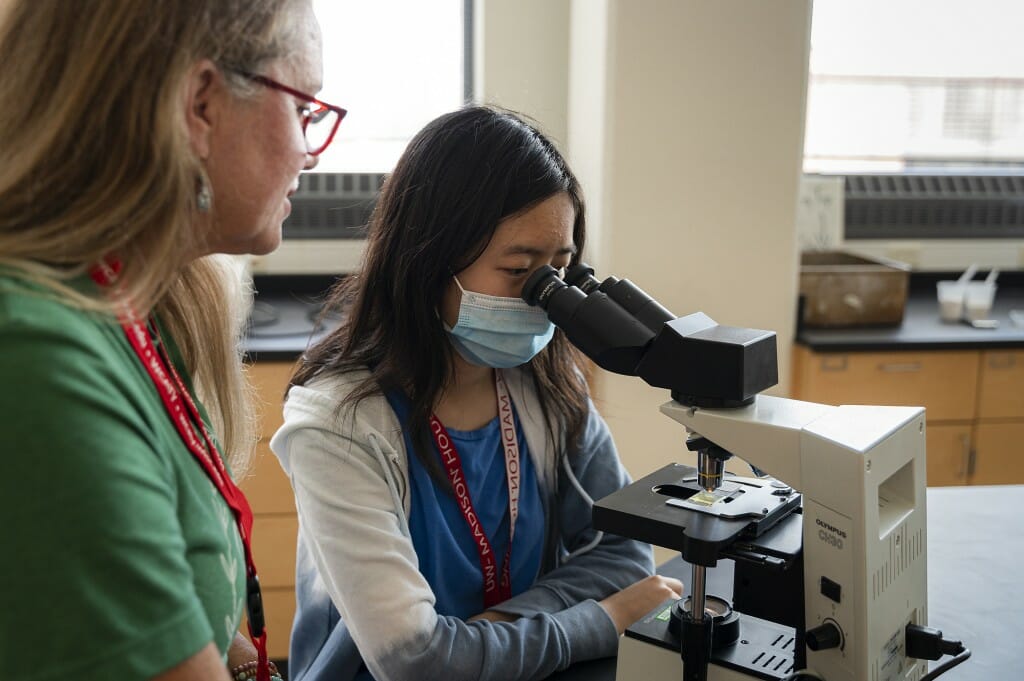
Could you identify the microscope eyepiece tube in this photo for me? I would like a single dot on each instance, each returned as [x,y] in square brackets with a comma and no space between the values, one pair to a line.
[594,323]
[628,295]
[637,302]
[541,285]
[581,275]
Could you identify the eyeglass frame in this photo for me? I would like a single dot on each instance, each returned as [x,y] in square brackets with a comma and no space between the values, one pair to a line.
[324,106]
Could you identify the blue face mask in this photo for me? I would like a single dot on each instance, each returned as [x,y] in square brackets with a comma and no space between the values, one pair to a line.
[499,332]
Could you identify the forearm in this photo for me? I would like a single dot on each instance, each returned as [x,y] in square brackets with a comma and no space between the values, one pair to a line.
[527,648]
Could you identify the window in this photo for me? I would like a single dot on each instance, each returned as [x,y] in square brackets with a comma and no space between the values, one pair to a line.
[915,85]
[395,65]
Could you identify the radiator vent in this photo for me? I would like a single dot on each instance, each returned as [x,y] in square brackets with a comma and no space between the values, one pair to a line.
[918,206]
[333,205]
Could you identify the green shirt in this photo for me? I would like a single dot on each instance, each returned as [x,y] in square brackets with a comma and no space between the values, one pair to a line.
[121,559]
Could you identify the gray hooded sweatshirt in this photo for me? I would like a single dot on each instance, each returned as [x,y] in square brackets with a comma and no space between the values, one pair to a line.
[360,595]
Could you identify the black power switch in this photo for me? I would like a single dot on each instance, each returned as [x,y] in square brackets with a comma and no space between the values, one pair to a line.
[831,590]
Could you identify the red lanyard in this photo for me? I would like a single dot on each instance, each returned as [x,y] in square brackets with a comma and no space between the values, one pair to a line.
[186,418]
[496,590]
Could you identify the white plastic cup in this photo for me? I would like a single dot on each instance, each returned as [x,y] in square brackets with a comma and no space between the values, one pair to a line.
[978,298]
[951,300]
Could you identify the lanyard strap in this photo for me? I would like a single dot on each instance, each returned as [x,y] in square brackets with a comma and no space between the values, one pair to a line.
[187,420]
[496,589]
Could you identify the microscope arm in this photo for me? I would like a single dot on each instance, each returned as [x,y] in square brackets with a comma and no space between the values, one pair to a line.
[765,434]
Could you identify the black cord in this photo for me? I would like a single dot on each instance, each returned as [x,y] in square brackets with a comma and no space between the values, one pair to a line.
[926,643]
[923,643]
[960,656]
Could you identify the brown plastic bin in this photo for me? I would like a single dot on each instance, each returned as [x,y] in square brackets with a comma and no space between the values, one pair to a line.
[842,289]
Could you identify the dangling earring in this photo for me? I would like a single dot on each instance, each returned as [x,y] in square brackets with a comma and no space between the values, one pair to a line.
[203,196]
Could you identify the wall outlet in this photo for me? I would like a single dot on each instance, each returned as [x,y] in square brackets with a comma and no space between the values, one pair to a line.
[819,213]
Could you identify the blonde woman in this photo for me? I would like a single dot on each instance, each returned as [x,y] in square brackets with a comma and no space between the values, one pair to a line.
[138,138]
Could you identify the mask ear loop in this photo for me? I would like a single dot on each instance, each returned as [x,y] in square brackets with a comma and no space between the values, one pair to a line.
[461,290]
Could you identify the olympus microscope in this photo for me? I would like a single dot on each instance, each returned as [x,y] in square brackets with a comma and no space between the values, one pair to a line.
[829,552]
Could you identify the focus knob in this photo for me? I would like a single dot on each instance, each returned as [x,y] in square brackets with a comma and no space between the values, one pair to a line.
[824,636]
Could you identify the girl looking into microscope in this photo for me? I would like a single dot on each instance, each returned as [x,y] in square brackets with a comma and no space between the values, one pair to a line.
[442,446]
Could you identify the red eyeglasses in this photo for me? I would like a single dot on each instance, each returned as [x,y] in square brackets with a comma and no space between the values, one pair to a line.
[319,124]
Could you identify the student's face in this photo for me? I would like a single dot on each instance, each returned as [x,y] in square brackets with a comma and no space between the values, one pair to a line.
[258,150]
[539,236]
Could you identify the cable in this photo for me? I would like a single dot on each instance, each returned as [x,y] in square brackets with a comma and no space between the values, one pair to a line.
[590,502]
[927,643]
[923,643]
[960,656]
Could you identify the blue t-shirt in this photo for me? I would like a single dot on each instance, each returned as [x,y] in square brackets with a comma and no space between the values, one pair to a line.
[447,553]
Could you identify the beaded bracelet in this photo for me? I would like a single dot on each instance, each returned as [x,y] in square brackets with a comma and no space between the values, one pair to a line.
[247,671]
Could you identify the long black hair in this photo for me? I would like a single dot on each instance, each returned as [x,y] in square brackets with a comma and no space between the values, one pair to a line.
[460,176]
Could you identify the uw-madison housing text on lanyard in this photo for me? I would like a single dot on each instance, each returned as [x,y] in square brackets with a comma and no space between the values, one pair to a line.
[187,420]
[496,588]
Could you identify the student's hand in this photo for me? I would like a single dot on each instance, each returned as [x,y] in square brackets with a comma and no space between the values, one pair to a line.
[638,599]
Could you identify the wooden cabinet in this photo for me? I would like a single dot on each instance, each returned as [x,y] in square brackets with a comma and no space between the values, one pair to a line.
[275,526]
[999,433]
[974,401]
[950,453]
[944,383]
[1001,388]
[998,459]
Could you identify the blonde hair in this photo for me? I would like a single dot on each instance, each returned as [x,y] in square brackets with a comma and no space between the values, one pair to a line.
[95,160]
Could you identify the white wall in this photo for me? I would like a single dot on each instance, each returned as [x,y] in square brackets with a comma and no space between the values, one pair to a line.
[521,52]
[684,121]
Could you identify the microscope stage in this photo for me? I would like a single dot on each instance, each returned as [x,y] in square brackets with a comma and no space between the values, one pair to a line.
[657,509]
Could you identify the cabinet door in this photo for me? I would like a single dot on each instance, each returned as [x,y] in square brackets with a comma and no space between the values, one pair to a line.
[273,549]
[1001,389]
[999,454]
[270,380]
[265,485]
[949,453]
[270,495]
[945,383]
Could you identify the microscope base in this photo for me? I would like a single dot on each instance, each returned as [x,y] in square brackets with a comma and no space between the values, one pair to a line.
[648,650]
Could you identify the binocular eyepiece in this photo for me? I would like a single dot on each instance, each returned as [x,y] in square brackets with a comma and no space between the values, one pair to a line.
[593,322]
[545,283]
[625,331]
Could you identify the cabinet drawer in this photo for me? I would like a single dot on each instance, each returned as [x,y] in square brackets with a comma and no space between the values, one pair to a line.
[265,485]
[949,454]
[270,380]
[273,548]
[1001,390]
[998,454]
[945,383]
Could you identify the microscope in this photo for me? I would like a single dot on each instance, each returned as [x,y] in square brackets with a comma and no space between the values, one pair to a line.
[826,537]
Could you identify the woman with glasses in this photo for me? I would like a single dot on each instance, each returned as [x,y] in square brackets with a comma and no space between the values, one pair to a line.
[139,139]
[441,443]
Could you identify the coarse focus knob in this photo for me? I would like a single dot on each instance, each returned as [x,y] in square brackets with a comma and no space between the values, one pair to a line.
[824,636]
